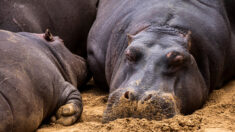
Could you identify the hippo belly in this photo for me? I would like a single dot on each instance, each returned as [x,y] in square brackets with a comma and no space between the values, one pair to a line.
[36,80]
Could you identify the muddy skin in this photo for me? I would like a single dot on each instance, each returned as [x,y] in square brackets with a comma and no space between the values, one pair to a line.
[152,107]
[39,79]
[143,51]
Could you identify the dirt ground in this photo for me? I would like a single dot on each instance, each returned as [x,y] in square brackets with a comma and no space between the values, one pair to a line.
[217,115]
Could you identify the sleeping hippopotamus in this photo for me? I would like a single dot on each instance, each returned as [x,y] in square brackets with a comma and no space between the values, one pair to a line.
[38,76]
[159,58]
[69,19]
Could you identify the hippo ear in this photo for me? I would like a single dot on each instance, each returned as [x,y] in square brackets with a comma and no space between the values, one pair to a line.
[175,58]
[130,38]
[188,40]
[48,36]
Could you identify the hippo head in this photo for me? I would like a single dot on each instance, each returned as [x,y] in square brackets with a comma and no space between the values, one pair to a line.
[157,77]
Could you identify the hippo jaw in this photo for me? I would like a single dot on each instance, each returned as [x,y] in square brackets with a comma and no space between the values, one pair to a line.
[157,78]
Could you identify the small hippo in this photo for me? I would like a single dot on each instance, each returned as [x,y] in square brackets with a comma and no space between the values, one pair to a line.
[159,58]
[38,76]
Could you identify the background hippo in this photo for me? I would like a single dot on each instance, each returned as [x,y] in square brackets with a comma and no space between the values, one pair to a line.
[69,19]
[230,6]
[38,77]
[159,58]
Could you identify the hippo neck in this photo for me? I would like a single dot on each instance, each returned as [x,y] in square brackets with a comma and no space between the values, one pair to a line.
[72,67]
[59,55]
[63,64]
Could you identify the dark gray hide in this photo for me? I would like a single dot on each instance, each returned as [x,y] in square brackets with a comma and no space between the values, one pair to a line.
[38,78]
[69,19]
[159,58]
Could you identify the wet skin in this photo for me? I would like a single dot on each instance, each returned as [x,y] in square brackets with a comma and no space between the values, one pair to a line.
[159,58]
[39,79]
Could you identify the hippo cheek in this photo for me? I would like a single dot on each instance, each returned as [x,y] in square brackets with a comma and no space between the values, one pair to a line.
[151,105]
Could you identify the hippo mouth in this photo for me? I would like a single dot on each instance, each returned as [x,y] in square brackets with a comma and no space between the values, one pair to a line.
[153,106]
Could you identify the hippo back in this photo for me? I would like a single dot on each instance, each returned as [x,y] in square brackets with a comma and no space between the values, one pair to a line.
[38,77]
[26,71]
[71,20]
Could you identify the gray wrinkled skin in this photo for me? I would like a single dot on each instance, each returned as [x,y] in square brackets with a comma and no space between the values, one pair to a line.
[38,79]
[159,58]
[69,19]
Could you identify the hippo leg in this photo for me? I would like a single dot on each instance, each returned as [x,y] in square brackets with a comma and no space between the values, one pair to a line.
[68,113]
[6,116]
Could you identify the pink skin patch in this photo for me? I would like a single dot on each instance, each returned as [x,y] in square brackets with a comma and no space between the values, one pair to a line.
[40,35]
[169,55]
[179,58]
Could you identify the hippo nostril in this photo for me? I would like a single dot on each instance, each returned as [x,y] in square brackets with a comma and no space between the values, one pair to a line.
[148,97]
[126,95]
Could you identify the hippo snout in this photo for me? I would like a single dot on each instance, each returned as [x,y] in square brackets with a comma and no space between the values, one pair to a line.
[150,105]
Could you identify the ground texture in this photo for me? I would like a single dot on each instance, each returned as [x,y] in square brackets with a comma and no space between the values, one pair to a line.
[217,115]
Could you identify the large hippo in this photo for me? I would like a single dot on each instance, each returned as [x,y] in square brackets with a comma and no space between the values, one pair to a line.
[38,76]
[69,19]
[230,6]
[159,58]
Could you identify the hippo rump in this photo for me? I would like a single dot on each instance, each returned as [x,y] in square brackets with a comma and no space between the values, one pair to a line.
[159,58]
[38,78]
[69,19]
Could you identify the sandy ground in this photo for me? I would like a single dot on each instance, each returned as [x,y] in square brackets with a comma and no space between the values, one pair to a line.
[217,115]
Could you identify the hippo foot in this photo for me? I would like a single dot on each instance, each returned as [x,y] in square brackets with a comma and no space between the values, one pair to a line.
[67,114]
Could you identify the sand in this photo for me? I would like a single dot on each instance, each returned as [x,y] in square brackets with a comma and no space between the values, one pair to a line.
[217,115]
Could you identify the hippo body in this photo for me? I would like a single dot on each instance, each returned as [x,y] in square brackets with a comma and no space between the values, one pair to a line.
[230,5]
[37,78]
[159,58]
[71,20]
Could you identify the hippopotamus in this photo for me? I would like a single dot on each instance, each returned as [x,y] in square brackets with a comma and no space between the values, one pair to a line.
[160,58]
[39,77]
[230,5]
[69,19]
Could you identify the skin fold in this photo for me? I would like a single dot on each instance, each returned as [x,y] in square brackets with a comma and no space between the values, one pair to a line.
[38,79]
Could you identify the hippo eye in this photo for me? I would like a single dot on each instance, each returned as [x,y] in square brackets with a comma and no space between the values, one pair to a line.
[133,55]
